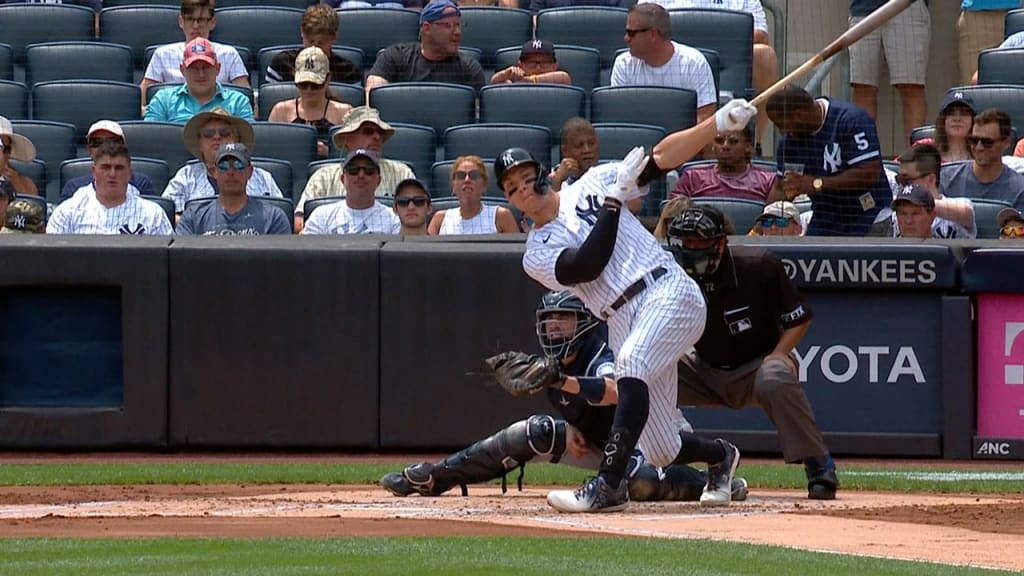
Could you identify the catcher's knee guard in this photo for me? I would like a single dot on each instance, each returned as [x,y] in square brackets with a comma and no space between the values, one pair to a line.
[493,457]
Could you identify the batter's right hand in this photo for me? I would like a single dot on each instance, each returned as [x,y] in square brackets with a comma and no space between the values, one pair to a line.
[734,116]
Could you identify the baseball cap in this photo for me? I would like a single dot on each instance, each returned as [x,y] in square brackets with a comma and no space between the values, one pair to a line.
[412,182]
[363,152]
[1006,215]
[200,49]
[232,150]
[780,209]
[355,118]
[436,11]
[21,147]
[957,97]
[23,217]
[7,188]
[543,47]
[311,65]
[106,126]
[916,195]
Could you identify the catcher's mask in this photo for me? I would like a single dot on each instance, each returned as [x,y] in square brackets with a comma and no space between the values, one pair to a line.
[694,238]
[557,340]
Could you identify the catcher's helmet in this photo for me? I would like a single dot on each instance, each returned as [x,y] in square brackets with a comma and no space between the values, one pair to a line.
[560,346]
[517,157]
[700,223]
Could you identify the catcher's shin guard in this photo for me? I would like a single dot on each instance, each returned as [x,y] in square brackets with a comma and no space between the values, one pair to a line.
[677,483]
[494,456]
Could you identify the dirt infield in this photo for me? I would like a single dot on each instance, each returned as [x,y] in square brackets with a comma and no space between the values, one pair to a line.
[953,529]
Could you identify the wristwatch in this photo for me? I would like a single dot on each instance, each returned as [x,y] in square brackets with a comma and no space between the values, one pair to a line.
[817,184]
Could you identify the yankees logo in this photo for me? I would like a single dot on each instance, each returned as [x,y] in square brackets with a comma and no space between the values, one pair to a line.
[538,44]
[589,214]
[19,221]
[508,158]
[833,158]
[128,229]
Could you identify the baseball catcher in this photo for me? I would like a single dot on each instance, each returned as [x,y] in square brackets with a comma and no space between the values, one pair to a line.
[572,372]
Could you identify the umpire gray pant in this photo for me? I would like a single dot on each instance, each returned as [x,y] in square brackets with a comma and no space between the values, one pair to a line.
[770,385]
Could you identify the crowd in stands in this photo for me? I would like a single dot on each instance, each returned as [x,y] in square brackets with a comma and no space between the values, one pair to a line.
[826,175]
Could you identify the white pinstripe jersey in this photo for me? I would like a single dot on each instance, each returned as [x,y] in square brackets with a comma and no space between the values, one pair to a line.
[686,69]
[482,223]
[83,214]
[636,251]
[752,7]
[338,218]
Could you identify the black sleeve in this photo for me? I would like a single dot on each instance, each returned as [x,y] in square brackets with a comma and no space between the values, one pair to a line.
[793,310]
[281,67]
[386,66]
[343,70]
[584,264]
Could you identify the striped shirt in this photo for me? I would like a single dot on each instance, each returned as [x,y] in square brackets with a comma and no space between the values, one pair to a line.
[165,65]
[482,223]
[192,181]
[83,214]
[752,7]
[338,218]
[327,182]
[686,69]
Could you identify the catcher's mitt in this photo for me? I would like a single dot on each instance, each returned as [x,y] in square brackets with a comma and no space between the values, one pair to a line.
[524,374]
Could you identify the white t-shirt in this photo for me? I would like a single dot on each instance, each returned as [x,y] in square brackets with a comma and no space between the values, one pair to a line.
[482,223]
[1014,41]
[165,64]
[191,181]
[83,214]
[338,218]
[686,69]
[753,7]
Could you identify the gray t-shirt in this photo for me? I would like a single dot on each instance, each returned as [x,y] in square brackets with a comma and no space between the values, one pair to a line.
[405,63]
[256,218]
[959,181]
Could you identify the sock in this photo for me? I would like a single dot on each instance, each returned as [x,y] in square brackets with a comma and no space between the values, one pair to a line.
[697,449]
[630,419]
[812,465]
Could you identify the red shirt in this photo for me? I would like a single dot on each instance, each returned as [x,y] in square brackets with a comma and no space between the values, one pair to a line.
[706,182]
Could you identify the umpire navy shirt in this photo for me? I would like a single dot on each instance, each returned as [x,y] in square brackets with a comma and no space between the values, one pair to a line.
[750,304]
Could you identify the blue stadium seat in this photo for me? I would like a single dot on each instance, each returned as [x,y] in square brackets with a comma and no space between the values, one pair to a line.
[985,217]
[1001,66]
[728,32]
[490,28]
[25,24]
[490,140]
[582,63]
[441,105]
[34,170]
[1006,97]
[348,93]
[670,108]
[6,62]
[156,169]
[616,139]
[548,105]
[1013,23]
[293,143]
[280,170]
[78,61]
[254,27]
[713,62]
[81,102]
[311,205]
[162,140]
[743,213]
[598,27]
[295,4]
[371,29]
[166,203]
[140,26]
[413,144]
[922,132]
[441,184]
[266,55]
[13,100]
[119,3]
[54,142]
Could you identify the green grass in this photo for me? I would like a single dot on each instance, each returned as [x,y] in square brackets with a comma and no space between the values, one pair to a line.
[440,556]
[758,475]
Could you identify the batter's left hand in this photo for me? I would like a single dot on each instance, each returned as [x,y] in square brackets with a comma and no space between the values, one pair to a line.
[626,174]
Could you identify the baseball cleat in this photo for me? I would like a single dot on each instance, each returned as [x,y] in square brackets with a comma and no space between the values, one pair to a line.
[594,496]
[822,485]
[718,490]
[739,489]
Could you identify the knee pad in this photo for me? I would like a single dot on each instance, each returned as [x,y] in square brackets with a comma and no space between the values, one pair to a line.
[545,435]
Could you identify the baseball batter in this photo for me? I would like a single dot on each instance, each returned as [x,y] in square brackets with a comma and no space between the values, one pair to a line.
[582,241]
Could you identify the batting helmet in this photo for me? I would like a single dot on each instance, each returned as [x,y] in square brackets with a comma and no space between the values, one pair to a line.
[563,343]
[700,223]
[519,157]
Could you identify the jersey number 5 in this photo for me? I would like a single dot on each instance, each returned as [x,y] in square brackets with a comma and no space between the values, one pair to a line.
[861,139]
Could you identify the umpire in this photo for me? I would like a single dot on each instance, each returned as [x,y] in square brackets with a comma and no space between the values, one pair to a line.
[755,319]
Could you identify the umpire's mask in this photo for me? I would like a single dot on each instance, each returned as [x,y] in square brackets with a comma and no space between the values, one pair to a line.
[694,238]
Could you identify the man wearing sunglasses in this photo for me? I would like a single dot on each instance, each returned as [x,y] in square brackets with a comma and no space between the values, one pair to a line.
[359,212]
[952,217]
[732,176]
[1011,224]
[985,176]
[412,206]
[100,132]
[779,218]
[232,213]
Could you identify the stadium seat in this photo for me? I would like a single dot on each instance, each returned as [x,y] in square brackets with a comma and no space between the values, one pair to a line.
[139,26]
[154,168]
[6,62]
[55,142]
[582,63]
[1001,66]
[266,55]
[78,61]
[295,4]
[348,93]
[293,143]
[713,62]
[314,166]
[617,139]
[1013,23]
[272,93]
[743,213]
[152,89]
[491,29]
[670,108]
[311,205]
[25,24]
[1006,97]
[13,100]
[280,170]
[441,105]
[599,27]
[254,27]
[490,140]
[413,144]
[283,204]
[82,102]
[119,3]
[548,105]
[985,217]
[161,140]
[728,32]
[371,29]
[922,132]
[441,184]
[166,203]
[34,170]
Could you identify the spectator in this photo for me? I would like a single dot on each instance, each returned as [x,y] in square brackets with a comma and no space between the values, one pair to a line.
[732,176]
[412,206]
[655,60]
[359,212]
[23,217]
[469,181]
[314,106]
[765,71]
[780,218]
[96,6]
[904,39]
[7,195]
[233,213]
[351,4]
[986,176]
[1011,224]
[320,29]
[196,20]
[100,132]
[669,210]
[497,3]
[580,150]
[201,91]
[981,26]
[203,136]
[108,208]
[538,5]
[954,217]
[915,213]
[361,128]
[537,64]
[16,147]
[435,58]
[953,126]
[829,150]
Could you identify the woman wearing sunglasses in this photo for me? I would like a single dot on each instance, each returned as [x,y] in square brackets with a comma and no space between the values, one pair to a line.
[314,105]
[469,181]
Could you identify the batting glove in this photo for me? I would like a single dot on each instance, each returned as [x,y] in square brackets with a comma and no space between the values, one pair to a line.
[734,116]
[626,173]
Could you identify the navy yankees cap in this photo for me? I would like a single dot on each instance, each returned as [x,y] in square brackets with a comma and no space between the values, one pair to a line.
[916,195]
[957,97]
[544,47]
[361,153]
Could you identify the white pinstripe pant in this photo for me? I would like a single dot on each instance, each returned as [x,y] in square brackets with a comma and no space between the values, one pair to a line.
[648,336]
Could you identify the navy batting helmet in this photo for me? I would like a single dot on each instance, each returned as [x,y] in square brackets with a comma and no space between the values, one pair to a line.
[519,157]
[559,341]
[704,226]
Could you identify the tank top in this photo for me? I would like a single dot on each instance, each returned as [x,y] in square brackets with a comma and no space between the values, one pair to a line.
[482,223]
[323,125]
